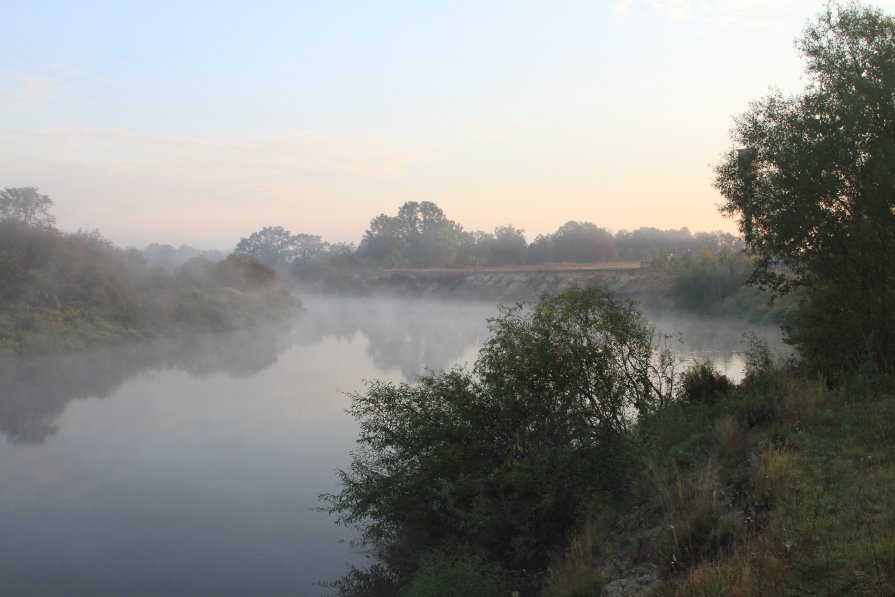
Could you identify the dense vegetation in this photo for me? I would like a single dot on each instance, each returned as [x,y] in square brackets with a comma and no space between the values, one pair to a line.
[63,291]
[573,461]
[708,270]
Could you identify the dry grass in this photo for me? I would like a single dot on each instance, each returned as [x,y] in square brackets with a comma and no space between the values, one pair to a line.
[573,574]
[802,401]
[730,438]
[751,570]
[818,505]
[775,473]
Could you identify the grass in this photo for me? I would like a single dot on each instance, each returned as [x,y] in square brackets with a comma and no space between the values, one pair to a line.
[785,487]
[573,574]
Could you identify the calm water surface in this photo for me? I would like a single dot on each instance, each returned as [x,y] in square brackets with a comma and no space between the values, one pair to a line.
[192,466]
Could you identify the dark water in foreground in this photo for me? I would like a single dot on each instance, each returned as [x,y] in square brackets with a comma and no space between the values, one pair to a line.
[191,466]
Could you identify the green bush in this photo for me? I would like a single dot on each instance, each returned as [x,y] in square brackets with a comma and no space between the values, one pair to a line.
[503,458]
[701,382]
[464,575]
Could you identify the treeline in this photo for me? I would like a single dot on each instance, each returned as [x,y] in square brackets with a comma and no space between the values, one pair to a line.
[420,235]
[708,270]
[63,290]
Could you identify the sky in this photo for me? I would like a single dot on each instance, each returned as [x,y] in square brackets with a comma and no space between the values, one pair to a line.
[201,122]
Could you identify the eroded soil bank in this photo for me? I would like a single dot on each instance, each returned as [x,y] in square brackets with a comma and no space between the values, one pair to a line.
[649,287]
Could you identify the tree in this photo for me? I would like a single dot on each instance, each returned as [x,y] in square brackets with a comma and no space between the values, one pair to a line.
[27,206]
[306,247]
[431,238]
[271,245]
[579,242]
[501,459]
[419,236]
[383,242]
[274,245]
[509,246]
[813,189]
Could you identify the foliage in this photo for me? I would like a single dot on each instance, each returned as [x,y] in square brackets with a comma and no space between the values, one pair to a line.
[577,242]
[274,245]
[703,383]
[26,206]
[63,291]
[814,189]
[649,244]
[704,279]
[509,246]
[419,236]
[503,457]
[462,575]
[169,258]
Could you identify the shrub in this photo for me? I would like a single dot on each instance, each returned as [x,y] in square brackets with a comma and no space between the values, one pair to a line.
[703,383]
[504,457]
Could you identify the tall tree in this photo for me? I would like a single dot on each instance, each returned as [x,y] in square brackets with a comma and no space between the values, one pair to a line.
[419,236]
[274,245]
[813,188]
[578,242]
[509,246]
[27,206]
[383,242]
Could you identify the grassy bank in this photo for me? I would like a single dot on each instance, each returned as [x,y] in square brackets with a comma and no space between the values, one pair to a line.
[62,291]
[782,486]
[47,329]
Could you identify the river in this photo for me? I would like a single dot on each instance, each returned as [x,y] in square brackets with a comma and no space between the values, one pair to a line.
[192,466]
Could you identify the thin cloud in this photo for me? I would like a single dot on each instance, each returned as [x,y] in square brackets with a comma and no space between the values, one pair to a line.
[726,13]
[756,13]
[295,154]
[621,7]
[67,70]
[678,10]
[24,92]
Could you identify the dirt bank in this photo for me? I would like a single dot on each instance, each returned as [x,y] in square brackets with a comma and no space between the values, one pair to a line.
[648,286]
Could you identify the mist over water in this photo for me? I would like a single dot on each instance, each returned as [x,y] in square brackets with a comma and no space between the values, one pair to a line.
[191,466]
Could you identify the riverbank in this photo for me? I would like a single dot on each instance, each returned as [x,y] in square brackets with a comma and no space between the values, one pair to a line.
[653,289]
[62,292]
[50,329]
[781,487]
[628,280]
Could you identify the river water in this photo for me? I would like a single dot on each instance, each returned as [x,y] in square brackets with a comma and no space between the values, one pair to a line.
[191,466]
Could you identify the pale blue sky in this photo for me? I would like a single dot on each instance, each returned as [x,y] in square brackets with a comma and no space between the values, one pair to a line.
[200,122]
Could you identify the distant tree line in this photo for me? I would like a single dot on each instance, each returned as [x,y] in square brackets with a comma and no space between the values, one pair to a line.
[170,258]
[420,235]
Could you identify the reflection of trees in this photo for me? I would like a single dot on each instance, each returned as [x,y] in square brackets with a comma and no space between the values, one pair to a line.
[35,391]
[412,336]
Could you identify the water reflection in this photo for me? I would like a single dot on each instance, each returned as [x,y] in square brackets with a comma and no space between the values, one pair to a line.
[721,341]
[410,336]
[35,391]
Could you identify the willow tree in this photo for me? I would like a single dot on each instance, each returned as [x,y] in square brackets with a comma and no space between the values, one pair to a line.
[811,180]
